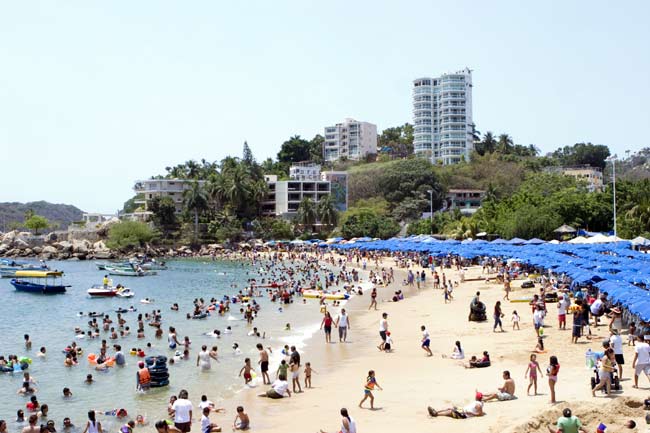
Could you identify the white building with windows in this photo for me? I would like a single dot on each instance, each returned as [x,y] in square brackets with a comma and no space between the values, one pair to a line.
[284,196]
[442,117]
[173,188]
[350,139]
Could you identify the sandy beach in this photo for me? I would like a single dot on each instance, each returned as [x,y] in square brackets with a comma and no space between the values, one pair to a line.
[412,381]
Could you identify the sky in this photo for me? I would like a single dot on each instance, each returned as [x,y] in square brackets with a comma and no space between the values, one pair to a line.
[97,94]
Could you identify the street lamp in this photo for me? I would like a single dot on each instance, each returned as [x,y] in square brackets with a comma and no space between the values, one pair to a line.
[431,216]
[612,159]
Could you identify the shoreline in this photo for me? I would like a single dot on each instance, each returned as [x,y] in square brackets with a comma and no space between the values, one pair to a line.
[413,381]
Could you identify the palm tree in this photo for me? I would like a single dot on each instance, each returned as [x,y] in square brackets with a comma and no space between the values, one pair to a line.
[504,144]
[215,189]
[489,143]
[193,169]
[196,201]
[327,213]
[307,214]
[237,186]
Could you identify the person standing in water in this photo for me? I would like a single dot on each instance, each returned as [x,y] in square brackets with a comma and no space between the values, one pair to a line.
[93,426]
[203,358]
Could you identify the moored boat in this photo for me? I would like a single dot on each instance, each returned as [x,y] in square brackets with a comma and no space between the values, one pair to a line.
[30,281]
[99,291]
[125,272]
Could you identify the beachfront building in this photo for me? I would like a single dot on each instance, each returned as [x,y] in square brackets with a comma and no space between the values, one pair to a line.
[467,201]
[350,139]
[305,181]
[592,176]
[442,117]
[304,171]
[146,190]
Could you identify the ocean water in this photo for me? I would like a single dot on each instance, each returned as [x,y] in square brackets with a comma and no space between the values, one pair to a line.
[50,322]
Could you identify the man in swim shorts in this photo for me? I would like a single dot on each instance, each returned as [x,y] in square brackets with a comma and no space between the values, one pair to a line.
[473,409]
[506,392]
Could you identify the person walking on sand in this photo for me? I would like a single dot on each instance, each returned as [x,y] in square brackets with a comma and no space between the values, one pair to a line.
[343,323]
[641,361]
[498,315]
[326,324]
[347,423]
[383,328]
[371,383]
[552,371]
[531,373]
[373,299]
[506,288]
[426,340]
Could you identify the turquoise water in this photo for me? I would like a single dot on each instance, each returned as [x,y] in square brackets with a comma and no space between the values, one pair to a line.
[50,321]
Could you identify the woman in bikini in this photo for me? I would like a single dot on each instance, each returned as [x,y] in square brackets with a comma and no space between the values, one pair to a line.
[552,371]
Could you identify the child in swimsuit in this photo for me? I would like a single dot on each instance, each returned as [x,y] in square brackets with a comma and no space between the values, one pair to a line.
[308,371]
[246,369]
[244,422]
[531,372]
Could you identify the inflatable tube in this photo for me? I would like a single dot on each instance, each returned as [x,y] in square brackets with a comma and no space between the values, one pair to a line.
[159,377]
[212,308]
[159,384]
[24,366]
[133,352]
[25,360]
[92,358]
[5,369]
[159,358]
[200,316]
[110,362]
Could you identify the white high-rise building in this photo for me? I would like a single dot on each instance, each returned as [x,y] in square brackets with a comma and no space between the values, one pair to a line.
[350,139]
[442,117]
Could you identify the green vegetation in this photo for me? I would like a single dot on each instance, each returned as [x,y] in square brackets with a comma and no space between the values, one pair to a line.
[12,215]
[36,223]
[368,221]
[525,197]
[129,234]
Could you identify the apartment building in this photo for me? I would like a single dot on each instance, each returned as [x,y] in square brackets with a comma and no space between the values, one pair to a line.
[442,117]
[173,188]
[350,139]
[592,176]
[467,201]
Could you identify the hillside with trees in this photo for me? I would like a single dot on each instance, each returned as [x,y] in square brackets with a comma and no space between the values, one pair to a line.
[526,196]
[12,215]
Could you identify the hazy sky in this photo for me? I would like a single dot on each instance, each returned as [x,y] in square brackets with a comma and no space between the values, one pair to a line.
[96,94]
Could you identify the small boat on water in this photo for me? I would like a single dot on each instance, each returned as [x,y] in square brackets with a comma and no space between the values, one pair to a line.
[8,268]
[126,272]
[100,291]
[43,282]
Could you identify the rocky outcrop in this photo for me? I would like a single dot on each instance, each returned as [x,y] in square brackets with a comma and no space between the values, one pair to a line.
[62,246]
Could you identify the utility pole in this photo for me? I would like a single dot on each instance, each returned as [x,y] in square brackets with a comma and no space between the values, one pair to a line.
[613,160]
[431,216]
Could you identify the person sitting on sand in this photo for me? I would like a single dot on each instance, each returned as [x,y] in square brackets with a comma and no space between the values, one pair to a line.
[473,409]
[506,392]
[279,388]
[457,352]
[567,423]
[474,362]
[242,422]
[347,423]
